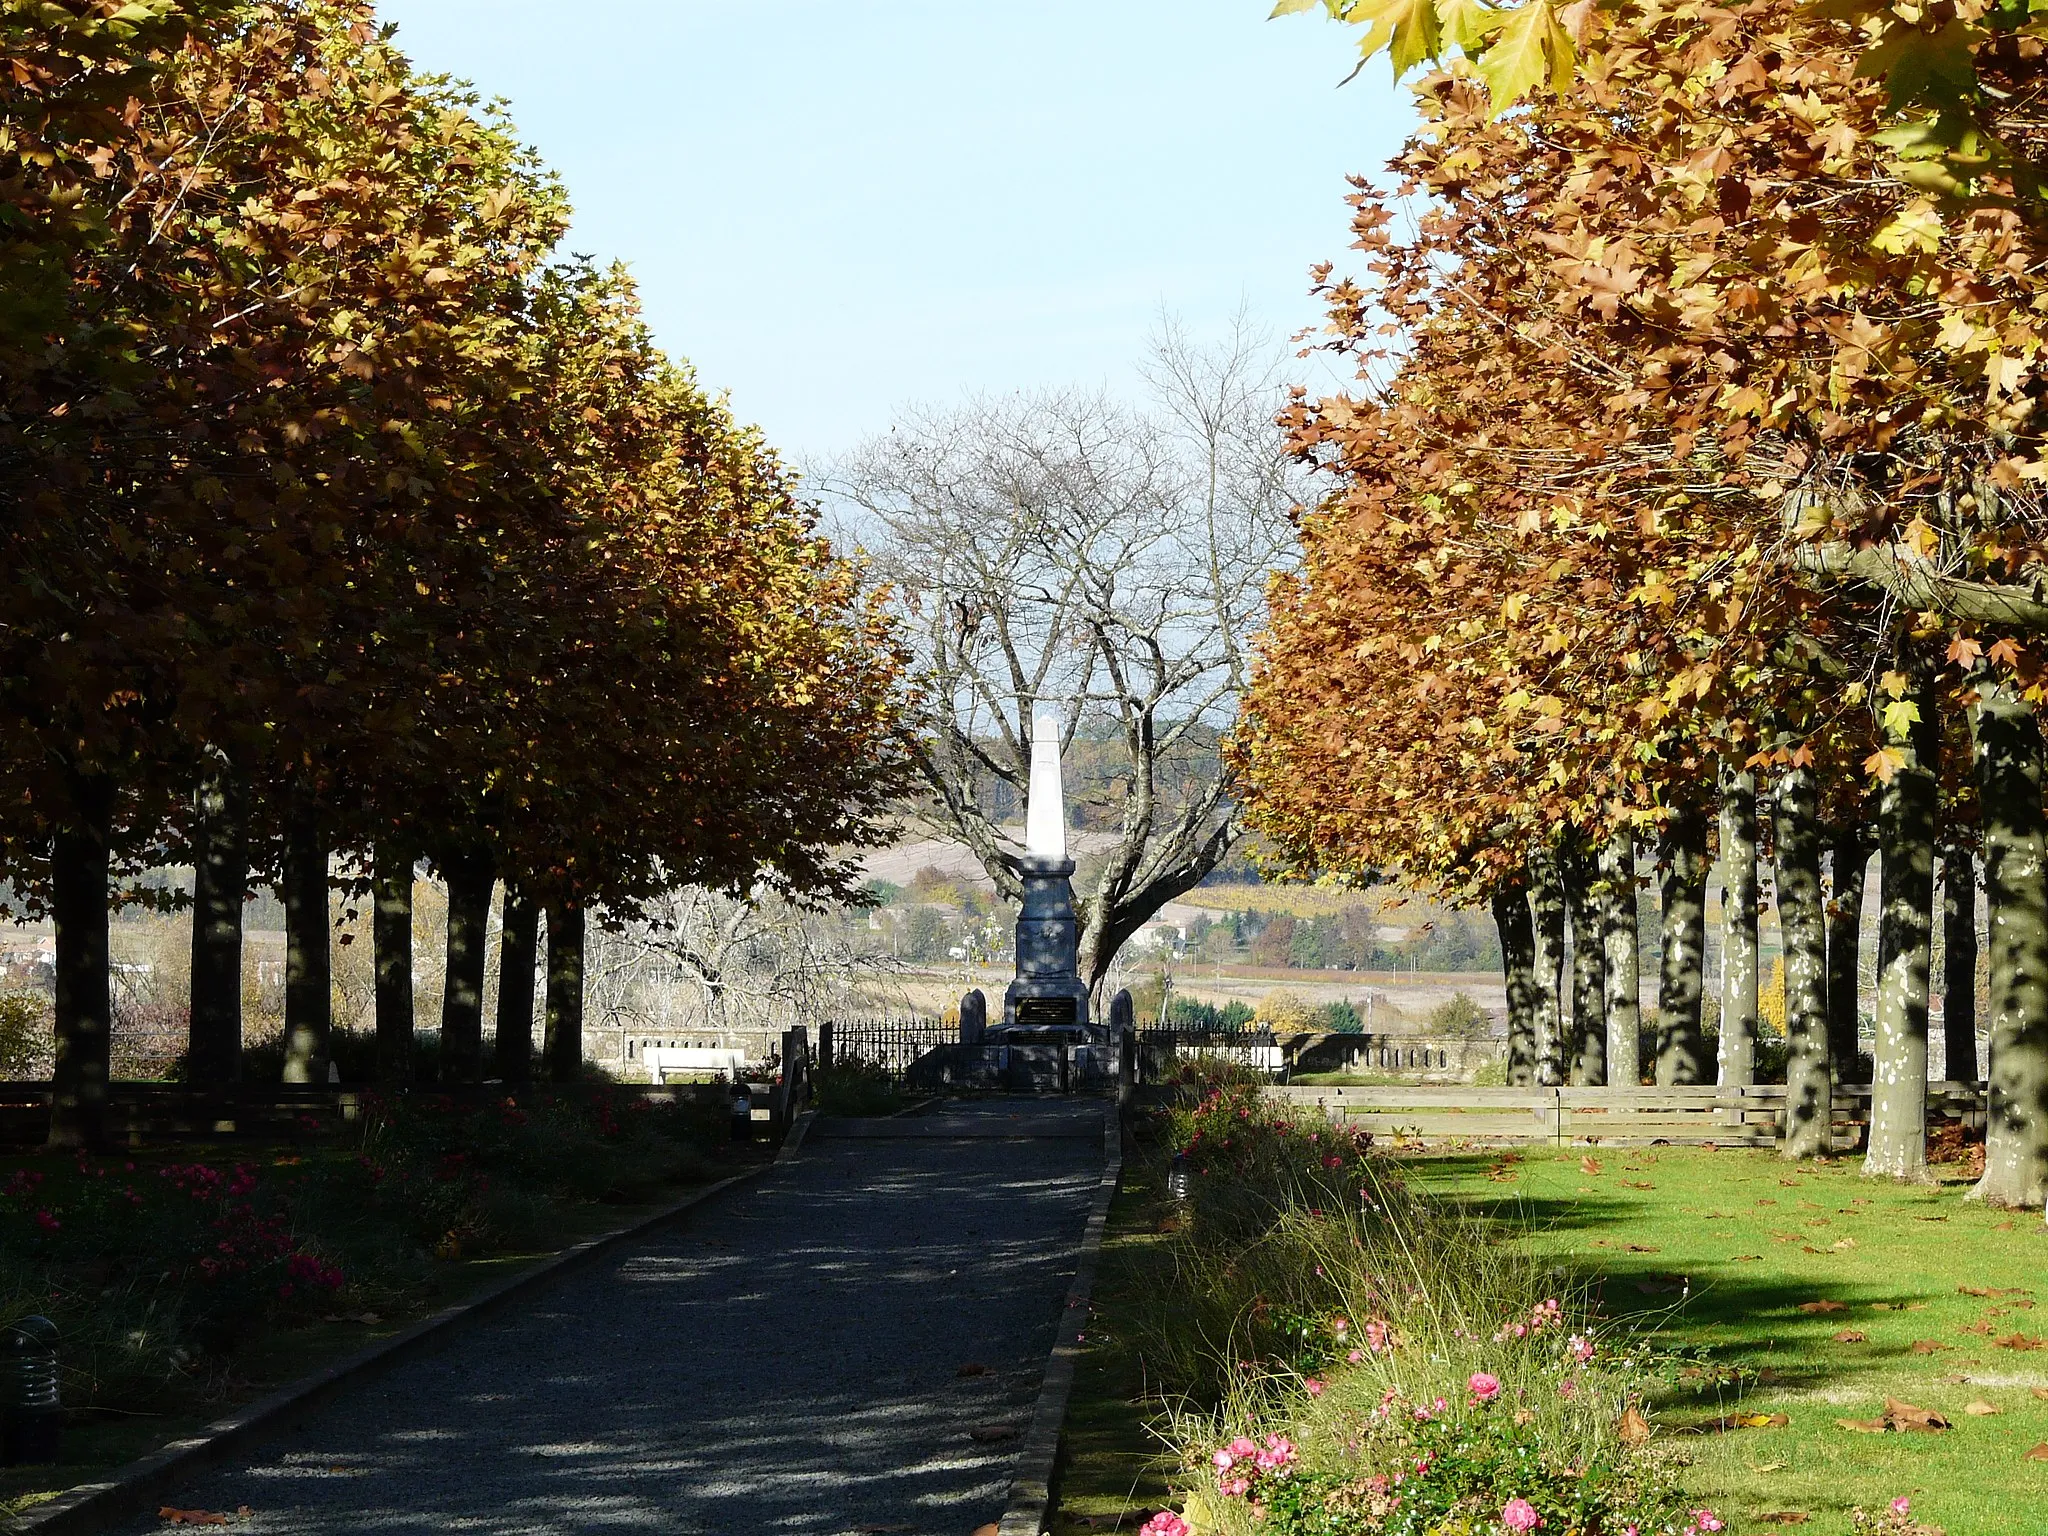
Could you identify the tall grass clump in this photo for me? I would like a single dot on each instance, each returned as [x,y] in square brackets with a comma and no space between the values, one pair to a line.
[1345,1356]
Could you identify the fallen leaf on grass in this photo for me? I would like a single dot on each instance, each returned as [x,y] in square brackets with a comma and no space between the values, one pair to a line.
[988,1434]
[1823,1306]
[2003,1226]
[2038,1453]
[1637,1184]
[2041,1393]
[2020,1341]
[1975,1290]
[1902,1415]
[1747,1258]
[1929,1346]
[1634,1429]
[1733,1421]
[1852,1336]
[1589,1165]
[1769,1467]
[1863,1426]
[1981,1409]
[1644,1248]
[1930,1218]
[1786,1517]
[191,1516]
[991,1529]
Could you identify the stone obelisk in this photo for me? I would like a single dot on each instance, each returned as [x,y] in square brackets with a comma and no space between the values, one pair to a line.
[1048,994]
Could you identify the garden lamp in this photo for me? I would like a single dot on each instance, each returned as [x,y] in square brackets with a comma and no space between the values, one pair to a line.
[31,1413]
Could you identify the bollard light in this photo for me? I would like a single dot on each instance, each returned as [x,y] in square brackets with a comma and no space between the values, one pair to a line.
[742,1109]
[1177,1177]
[31,1412]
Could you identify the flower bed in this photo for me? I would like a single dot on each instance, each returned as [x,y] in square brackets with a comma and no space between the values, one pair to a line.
[157,1268]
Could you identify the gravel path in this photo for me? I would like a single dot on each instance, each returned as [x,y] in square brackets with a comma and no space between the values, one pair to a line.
[787,1360]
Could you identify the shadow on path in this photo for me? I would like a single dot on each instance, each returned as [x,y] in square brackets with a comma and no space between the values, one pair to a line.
[785,1360]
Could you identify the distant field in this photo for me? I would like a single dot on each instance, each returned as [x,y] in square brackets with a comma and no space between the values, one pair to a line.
[1389,903]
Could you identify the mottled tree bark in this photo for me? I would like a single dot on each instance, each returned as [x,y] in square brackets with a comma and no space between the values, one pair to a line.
[1905,831]
[1738,926]
[1588,1036]
[564,1042]
[1959,966]
[462,993]
[308,956]
[2008,742]
[80,861]
[1518,972]
[1848,866]
[516,952]
[391,933]
[1547,919]
[1681,1049]
[220,886]
[1802,920]
[1621,947]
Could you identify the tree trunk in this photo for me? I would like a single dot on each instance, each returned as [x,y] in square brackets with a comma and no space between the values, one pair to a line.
[1547,922]
[1905,829]
[516,952]
[1848,866]
[391,925]
[564,1043]
[462,993]
[79,873]
[1959,966]
[2008,742]
[1622,949]
[1681,1050]
[1738,927]
[1802,919]
[1589,971]
[308,976]
[220,886]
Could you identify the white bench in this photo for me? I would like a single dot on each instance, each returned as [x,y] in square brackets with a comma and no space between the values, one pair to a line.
[660,1060]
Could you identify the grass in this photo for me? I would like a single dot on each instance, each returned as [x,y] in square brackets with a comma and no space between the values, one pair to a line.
[1724,1256]
[1114,1466]
[1299,1289]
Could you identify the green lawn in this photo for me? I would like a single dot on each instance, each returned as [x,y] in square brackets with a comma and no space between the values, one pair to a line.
[1729,1254]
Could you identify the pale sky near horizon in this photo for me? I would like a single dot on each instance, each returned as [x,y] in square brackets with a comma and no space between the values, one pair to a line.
[835,210]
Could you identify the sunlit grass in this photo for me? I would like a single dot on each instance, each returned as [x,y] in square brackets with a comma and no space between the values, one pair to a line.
[1721,1253]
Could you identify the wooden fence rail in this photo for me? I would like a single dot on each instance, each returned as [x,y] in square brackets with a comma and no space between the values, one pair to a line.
[1689,1116]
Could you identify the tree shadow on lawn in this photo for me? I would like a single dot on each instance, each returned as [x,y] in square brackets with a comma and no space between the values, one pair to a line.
[1770,1330]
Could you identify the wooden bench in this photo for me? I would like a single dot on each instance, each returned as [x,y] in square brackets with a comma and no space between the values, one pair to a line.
[660,1060]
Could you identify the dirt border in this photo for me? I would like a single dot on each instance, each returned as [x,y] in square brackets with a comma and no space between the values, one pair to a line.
[1030,1503]
[91,1507]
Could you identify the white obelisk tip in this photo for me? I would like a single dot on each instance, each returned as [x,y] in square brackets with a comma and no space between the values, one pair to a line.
[1045,814]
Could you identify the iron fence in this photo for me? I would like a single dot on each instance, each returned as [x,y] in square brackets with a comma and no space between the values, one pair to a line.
[889,1045]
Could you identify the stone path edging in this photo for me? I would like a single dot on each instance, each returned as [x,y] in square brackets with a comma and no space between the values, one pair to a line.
[1030,1502]
[92,1507]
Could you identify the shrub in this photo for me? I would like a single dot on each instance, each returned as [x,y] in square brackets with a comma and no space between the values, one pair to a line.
[24,1036]
[1460,1017]
[1348,1356]
[855,1087]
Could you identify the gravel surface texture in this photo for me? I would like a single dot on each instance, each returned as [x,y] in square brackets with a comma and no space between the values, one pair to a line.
[788,1359]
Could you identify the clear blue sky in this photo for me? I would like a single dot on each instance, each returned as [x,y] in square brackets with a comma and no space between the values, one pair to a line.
[834,209]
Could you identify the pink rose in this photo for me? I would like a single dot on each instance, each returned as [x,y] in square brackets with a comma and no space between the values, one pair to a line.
[1356,1357]
[1581,1348]
[1241,1447]
[1483,1387]
[1223,1460]
[1520,1515]
[1315,1388]
[1165,1523]
[1902,1505]
[1706,1520]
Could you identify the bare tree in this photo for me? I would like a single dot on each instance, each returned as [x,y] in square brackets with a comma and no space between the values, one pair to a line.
[698,958]
[1104,561]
